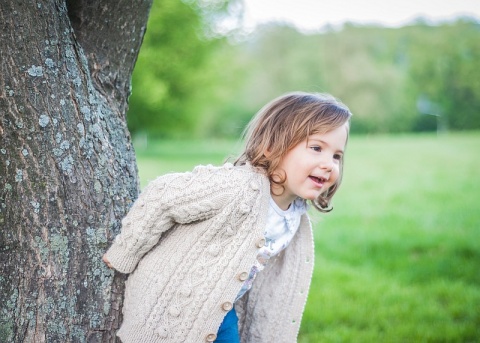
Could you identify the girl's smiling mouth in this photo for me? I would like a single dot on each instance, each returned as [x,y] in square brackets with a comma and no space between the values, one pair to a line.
[319,181]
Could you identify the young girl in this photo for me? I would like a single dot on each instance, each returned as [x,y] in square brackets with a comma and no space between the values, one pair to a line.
[225,254]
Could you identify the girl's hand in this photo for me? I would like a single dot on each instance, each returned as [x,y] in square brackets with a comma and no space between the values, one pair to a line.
[107,262]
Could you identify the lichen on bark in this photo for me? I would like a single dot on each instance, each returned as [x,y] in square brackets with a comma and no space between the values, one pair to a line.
[67,172]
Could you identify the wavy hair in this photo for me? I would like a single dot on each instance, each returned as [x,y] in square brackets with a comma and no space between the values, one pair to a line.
[285,122]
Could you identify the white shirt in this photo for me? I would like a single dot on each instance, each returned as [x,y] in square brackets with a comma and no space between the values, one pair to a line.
[280,229]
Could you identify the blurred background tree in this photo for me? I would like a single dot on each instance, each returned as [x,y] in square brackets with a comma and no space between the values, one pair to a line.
[194,80]
[174,70]
[444,71]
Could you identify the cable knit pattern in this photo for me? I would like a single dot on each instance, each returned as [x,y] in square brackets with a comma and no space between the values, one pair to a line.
[188,241]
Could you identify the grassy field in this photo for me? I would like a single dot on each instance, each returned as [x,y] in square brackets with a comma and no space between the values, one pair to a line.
[398,260]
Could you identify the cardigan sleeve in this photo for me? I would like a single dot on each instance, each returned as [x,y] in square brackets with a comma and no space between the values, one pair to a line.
[170,199]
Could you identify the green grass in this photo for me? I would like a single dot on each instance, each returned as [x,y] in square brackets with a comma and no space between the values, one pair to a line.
[398,260]
[160,157]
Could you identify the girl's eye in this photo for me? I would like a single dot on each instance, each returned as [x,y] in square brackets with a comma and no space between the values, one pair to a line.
[337,157]
[316,148]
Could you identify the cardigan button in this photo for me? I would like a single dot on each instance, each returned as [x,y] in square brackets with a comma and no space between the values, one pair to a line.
[243,276]
[227,306]
[211,337]
[261,243]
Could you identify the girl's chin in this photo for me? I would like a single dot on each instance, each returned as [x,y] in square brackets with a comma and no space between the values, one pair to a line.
[311,196]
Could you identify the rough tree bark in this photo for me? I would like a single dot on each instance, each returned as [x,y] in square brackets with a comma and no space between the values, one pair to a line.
[67,167]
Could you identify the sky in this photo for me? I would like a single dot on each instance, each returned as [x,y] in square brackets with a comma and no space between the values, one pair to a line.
[312,15]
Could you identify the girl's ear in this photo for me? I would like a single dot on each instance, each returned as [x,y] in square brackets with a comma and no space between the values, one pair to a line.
[267,153]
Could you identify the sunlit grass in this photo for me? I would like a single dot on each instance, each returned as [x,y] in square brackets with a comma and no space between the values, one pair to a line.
[398,260]
[159,157]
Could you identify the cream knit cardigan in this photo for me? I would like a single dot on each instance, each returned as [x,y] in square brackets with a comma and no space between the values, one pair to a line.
[189,242]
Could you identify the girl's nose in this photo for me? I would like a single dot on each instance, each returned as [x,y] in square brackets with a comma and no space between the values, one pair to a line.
[326,163]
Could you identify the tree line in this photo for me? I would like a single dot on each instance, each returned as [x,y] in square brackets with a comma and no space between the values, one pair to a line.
[420,77]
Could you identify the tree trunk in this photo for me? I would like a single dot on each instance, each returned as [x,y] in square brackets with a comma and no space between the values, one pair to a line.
[67,167]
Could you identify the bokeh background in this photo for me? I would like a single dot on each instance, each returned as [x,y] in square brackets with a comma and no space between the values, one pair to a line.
[398,259]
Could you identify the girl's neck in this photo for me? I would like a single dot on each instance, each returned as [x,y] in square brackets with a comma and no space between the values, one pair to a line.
[282,202]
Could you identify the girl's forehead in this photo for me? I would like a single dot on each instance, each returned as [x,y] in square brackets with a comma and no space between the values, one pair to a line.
[337,134]
[323,129]
[320,130]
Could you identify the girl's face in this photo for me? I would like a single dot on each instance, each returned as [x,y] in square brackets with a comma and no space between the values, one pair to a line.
[310,167]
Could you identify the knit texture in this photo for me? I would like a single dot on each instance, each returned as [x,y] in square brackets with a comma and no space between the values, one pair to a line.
[188,241]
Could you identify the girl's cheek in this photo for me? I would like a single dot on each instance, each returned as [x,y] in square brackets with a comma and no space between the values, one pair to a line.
[336,174]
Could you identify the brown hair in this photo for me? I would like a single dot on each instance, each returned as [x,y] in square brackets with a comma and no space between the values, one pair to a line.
[285,122]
